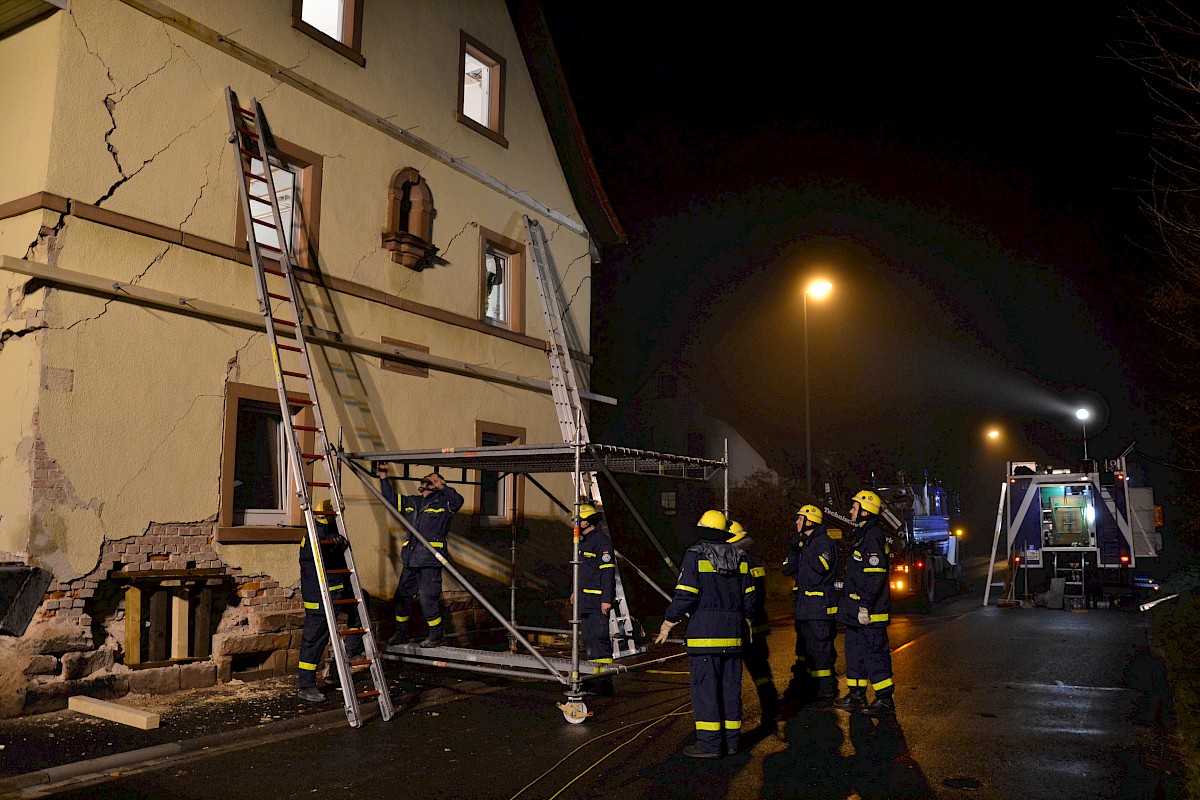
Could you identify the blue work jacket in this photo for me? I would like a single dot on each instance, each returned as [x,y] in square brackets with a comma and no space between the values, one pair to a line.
[716,590]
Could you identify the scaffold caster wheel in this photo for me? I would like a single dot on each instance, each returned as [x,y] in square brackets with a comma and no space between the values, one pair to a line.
[575,711]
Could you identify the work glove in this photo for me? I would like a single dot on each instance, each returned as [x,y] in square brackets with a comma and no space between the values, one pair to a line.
[864,618]
[664,631]
[749,632]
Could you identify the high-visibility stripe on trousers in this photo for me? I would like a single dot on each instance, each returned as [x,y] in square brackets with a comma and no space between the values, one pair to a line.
[717,700]
[869,660]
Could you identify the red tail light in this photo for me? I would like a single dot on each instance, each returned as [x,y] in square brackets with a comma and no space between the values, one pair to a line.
[920,564]
[1124,559]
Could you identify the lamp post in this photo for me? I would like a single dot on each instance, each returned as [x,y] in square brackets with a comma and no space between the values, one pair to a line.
[818,290]
[1082,415]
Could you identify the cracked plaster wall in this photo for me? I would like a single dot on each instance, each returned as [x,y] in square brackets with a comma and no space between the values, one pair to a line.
[139,128]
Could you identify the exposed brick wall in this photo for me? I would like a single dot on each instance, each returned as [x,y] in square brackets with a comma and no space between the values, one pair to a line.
[76,641]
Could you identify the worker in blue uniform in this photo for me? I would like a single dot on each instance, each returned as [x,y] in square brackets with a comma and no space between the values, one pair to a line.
[429,512]
[597,588]
[315,634]
[755,653]
[865,609]
[716,592]
[812,561]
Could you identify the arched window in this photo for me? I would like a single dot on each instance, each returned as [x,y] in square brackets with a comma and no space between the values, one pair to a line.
[409,230]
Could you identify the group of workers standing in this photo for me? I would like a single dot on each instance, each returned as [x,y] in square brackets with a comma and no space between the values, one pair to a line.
[722,592]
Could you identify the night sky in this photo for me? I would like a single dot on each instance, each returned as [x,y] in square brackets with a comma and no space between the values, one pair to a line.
[968,183]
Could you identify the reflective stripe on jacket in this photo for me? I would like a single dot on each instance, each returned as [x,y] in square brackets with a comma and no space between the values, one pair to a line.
[430,516]
[716,589]
[866,581]
[815,572]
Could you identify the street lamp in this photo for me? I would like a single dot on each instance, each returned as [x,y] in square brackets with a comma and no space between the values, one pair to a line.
[993,434]
[818,290]
[1082,415]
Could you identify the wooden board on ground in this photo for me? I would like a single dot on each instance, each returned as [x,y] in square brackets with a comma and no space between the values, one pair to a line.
[113,711]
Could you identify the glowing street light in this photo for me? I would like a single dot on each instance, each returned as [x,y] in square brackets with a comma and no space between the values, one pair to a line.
[993,434]
[819,289]
[1082,415]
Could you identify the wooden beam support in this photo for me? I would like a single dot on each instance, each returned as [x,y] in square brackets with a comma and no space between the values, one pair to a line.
[181,623]
[132,293]
[114,712]
[133,626]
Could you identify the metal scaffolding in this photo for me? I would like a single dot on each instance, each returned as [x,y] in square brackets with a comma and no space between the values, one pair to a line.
[527,460]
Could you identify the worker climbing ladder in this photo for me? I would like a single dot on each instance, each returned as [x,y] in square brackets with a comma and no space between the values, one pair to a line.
[569,408]
[252,144]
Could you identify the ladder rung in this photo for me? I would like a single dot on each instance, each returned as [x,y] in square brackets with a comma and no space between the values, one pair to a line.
[279,296]
[269,247]
[279,321]
[329,541]
[278,272]
[368,693]
[248,132]
[337,572]
[345,602]
[245,111]
[250,153]
[254,177]
[300,401]
[313,456]
[361,662]
[258,199]
[294,349]
[262,224]
[352,631]
[312,428]
[294,374]
[319,485]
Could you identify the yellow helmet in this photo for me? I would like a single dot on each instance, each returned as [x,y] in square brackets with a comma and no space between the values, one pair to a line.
[812,514]
[869,501]
[736,532]
[587,511]
[324,505]
[713,519]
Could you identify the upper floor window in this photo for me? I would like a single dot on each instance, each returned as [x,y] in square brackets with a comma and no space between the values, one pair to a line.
[502,281]
[481,93]
[296,173]
[337,24]
[667,385]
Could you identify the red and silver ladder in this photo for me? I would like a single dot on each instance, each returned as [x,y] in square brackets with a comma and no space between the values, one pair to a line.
[252,144]
[571,421]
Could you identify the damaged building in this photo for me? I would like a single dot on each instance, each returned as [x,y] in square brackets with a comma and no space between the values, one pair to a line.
[148,526]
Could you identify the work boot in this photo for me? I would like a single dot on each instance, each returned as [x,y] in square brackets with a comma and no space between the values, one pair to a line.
[696,751]
[399,637]
[880,707]
[852,702]
[311,694]
[431,641]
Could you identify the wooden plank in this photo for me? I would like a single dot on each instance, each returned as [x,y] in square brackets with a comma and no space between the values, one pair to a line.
[181,623]
[202,624]
[133,626]
[132,293]
[160,606]
[114,712]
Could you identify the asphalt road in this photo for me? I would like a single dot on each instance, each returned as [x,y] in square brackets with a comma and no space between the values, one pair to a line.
[993,703]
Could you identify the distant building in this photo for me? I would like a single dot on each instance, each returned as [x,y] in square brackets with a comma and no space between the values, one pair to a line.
[140,464]
[667,413]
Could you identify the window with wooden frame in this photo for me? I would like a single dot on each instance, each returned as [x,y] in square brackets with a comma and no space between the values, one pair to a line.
[668,502]
[337,24]
[499,498]
[501,281]
[257,493]
[481,90]
[298,189]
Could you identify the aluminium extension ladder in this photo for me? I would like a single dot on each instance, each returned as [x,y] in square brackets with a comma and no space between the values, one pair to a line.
[569,409]
[251,141]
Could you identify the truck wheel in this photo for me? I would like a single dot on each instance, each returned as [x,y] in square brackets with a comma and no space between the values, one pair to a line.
[929,585]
